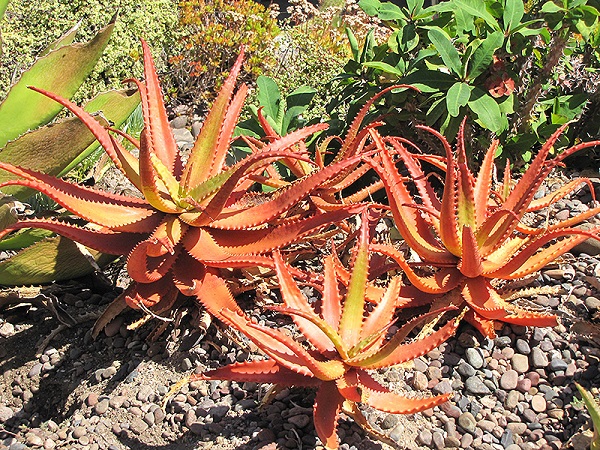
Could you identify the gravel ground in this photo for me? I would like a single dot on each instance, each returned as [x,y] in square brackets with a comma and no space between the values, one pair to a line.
[514,392]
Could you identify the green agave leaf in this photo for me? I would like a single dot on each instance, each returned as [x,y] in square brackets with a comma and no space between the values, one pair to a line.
[61,71]
[594,409]
[23,238]
[65,39]
[50,260]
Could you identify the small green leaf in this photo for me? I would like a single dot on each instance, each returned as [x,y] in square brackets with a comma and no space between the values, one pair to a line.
[484,54]
[385,67]
[446,49]
[269,96]
[457,97]
[513,13]
[390,11]
[371,7]
[477,8]
[550,7]
[488,111]
[353,44]
[429,80]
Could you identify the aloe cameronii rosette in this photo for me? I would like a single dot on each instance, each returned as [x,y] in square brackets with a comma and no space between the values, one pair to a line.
[344,341]
[191,214]
[475,233]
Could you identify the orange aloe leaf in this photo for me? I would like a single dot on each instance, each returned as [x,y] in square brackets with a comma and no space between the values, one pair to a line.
[280,202]
[99,132]
[199,165]
[313,327]
[160,138]
[113,243]
[354,303]
[483,298]
[327,408]
[162,292]
[482,324]
[523,317]
[395,352]
[531,259]
[465,184]
[117,212]
[493,231]
[444,280]
[383,313]
[449,233]
[256,241]
[146,269]
[522,194]
[380,398]
[411,225]
[149,179]
[559,194]
[471,262]
[331,308]
[562,224]
[265,371]
[483,184]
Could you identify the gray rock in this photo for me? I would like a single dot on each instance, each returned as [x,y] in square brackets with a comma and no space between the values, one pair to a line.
[539,359]
[592,303]
[523,347]
[466,370]
[474,357]
[5,413]
[467,422]
[300,420]
[101,407]
[425,437]
[558,364]
[137,425]
[390,421]
[520,363]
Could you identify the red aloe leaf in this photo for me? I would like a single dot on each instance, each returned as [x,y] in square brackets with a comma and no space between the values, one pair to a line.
[394,352]
[160,138]
[493,231]
[114,211]
[331,308]
[146,269]
[411,225]
[483,185]
[112,148]
[483,298]
[531,259]
[189,275]
[113,243]
[265,371]
[444,280]
[327,408]
[130,165]
[214,295]
[199,164]
[248,242]
[295,300]
[380,398]
[575,220]
[281,201]
[471,262]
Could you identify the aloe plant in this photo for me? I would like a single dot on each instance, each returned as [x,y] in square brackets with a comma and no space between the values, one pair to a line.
[346,341]
[474,234]
[191,215]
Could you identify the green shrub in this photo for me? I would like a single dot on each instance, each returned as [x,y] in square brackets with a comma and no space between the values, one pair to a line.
[29,26]
[212,33]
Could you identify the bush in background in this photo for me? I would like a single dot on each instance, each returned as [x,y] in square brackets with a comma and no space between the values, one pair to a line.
[212,32]
[29,26]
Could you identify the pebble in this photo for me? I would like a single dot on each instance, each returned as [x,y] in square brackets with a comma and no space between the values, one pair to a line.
[538,358]
[474,357]
[5,413]
[520,363]
[137,425]
[467,421]
[476,386]
[509,380]
[538,403]
[101,407]
[425,437]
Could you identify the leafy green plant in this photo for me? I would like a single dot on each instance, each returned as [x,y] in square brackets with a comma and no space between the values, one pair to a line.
[212,32]
[491,61]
